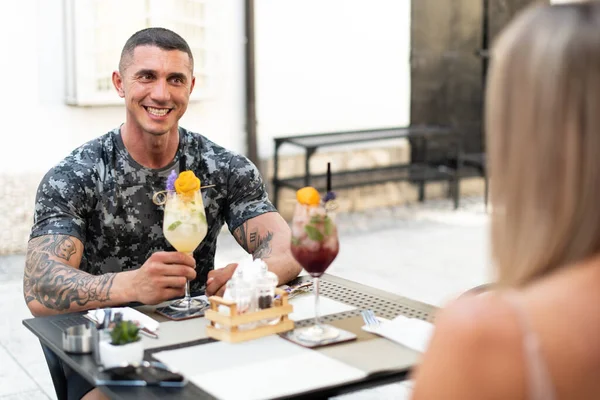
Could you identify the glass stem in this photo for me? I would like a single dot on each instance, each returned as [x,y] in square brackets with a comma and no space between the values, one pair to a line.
[187,297]
[316,288]
[187,291]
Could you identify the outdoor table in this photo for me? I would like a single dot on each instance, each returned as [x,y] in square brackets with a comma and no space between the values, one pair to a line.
[385,361]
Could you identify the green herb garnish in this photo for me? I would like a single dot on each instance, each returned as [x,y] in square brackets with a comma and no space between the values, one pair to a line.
[315,219]
[174,225]
[313,233]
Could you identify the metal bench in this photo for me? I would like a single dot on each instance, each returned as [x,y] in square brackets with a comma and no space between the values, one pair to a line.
[418,172]
[477,162]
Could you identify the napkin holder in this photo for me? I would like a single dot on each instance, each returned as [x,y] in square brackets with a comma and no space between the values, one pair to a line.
[228,325]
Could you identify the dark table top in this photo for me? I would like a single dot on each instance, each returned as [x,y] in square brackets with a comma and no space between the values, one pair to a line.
[385,304]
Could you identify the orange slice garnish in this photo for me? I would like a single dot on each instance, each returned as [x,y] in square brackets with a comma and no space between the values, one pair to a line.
[308,196]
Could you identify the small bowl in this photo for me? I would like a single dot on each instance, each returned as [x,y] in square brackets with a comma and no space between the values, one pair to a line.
[77,339]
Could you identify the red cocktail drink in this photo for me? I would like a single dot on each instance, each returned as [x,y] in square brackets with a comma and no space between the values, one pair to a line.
[315,262]
[314,245]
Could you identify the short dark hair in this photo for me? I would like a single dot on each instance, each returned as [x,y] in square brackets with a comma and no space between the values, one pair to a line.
[162,38]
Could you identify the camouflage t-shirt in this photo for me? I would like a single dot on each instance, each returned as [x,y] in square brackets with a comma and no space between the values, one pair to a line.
[102,196]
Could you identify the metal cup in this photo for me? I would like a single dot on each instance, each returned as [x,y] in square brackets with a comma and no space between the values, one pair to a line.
[77,339]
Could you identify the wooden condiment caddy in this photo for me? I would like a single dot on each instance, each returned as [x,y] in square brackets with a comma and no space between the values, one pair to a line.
[228,329]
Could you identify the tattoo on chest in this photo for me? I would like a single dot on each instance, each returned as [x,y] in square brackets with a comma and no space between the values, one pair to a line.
[57,285]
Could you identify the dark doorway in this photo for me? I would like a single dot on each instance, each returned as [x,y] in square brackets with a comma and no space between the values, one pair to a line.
[449,41]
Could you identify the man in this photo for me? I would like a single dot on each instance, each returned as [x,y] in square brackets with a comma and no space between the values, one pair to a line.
[97,236]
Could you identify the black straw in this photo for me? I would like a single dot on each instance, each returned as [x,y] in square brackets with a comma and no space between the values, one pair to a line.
[328,177]
[182,162]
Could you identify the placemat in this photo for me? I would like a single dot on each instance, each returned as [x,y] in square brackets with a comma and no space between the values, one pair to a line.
[176,332]
[369,353]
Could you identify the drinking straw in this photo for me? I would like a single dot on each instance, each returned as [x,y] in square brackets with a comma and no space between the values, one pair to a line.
[182,163]
[328,177]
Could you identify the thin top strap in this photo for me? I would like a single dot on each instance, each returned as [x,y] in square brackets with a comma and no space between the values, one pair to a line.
[538,377]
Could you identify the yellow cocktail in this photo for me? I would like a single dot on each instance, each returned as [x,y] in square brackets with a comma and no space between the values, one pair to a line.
[185,226]
[184,223]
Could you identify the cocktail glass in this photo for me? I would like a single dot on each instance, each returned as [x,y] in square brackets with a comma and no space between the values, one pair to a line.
[184,226]
[315,245]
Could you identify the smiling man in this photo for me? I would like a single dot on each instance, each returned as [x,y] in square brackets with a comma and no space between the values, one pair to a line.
[97,237]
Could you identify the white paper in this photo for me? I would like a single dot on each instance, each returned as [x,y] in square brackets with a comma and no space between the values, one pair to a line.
[129,314]
[411,332]
[262,368]
[266,380]
[304,307]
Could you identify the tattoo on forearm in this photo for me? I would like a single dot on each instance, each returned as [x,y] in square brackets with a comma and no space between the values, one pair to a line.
[57,285]
[253,242]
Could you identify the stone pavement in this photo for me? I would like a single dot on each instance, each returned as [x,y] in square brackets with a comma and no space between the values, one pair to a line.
[428,252]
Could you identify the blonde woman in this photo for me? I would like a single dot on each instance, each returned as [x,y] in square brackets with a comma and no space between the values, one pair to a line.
[538,335]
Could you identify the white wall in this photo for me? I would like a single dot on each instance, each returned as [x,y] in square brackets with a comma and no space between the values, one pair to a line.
[330,65]
[41,129]
[321,65]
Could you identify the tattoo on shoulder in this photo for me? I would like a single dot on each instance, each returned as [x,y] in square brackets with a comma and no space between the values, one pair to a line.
[57,285]
[255,242]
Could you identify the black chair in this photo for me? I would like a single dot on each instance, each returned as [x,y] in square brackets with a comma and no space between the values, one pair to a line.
[57,373]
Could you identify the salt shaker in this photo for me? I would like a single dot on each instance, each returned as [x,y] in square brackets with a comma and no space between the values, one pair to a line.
[240,292]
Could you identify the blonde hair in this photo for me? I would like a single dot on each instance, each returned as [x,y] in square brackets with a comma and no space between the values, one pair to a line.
[543,135]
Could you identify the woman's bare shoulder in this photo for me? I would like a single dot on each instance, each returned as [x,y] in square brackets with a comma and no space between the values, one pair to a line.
[478,320]
[476,348]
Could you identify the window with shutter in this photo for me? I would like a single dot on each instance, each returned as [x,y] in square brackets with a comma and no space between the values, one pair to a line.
[96,31]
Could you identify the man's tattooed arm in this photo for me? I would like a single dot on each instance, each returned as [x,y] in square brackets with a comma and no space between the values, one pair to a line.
[254,241]
[268,237]
[52,282]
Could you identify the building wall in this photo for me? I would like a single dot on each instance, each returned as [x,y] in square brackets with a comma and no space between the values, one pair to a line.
[34,89]
[335,65]
[330,66]
[321,66]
